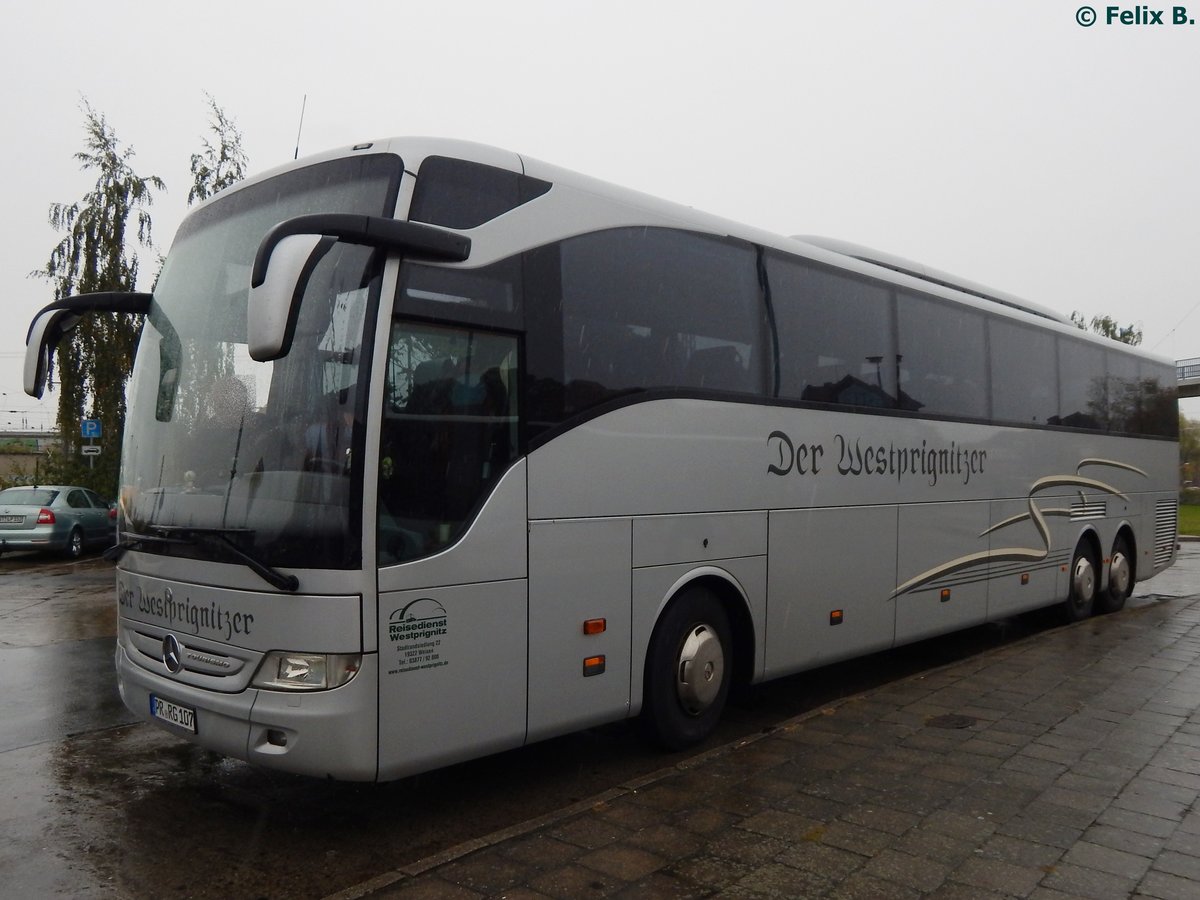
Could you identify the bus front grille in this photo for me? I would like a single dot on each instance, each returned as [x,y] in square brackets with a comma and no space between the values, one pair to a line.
[202,663]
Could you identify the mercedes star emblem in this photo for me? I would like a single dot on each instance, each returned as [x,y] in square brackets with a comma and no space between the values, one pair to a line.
[172,654]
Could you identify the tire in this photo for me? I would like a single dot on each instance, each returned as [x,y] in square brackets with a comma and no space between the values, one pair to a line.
[689,666]
[1121,578]
[74,548]
[1084,578]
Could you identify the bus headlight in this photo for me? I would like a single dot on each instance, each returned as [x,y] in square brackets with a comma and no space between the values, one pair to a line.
[282,671]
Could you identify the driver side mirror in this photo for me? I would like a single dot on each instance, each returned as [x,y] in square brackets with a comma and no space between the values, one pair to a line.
[291,250]
[274,303]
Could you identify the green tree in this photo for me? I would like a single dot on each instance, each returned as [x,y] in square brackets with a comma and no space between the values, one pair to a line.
[217,166]
[1108,327]
[95,254]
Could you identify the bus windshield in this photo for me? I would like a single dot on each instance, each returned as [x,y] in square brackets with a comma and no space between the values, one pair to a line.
[267,455]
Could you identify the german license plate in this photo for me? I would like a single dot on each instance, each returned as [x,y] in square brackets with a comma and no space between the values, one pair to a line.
[181,716]
[11,520]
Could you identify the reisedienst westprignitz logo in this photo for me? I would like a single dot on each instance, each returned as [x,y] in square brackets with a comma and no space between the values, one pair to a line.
[1137,15]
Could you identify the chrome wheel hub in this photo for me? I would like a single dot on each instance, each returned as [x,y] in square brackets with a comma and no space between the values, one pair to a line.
[1084,580]
[700,670]
[1119,574]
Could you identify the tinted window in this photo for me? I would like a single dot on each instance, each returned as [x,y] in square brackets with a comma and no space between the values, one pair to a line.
[835,335]
[645,308]
[460,194]
[449,433]
[1083,397]
[441,292]
[1123,390]
[943,367]
[1024,374]
[653,308]
[1159,411]
[1141,396]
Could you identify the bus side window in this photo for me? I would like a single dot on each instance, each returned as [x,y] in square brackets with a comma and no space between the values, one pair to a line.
[458,193]
[1124,392]
[1158,409]
[1026,394]
[646,308]
[835,335]
[1083,395]
[450,430]
[720,367]
[942,362]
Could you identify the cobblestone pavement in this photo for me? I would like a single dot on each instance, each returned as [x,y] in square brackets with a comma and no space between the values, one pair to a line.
[1064,765]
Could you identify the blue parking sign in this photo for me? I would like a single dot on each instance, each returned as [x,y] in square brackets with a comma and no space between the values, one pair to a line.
[89,428]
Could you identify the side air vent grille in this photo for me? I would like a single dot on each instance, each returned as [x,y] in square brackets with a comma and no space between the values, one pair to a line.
[1166,523]
[1082,510]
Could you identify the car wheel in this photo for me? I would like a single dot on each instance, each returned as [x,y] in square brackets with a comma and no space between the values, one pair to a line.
[74,548]
[688,670]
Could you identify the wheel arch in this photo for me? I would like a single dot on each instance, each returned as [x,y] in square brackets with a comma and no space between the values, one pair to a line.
[681,695]
[736,602]
[1126,531]
[1091,538]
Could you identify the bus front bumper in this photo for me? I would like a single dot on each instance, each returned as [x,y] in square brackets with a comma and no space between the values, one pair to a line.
[326,734]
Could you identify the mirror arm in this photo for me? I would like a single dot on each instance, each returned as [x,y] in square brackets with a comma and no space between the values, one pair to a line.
[424,241]
[55,319]
[102,301]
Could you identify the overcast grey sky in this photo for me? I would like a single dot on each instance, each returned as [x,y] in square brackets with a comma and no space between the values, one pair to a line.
[1003,142]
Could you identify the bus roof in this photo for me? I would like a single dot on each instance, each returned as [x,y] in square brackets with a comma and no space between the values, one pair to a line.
[657,211]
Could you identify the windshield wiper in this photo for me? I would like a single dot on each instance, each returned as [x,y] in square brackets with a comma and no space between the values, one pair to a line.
[116,551]
[191,535]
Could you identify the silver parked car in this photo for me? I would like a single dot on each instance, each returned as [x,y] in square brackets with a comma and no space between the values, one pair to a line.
[55,517]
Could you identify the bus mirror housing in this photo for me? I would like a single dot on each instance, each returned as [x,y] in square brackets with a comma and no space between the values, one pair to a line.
[55,320]
[291,250]
[39,345]
[274,303]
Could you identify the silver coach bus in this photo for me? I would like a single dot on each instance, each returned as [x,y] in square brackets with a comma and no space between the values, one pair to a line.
[434,450]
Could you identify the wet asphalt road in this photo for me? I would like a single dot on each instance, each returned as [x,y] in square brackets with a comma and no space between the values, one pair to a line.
[92,805]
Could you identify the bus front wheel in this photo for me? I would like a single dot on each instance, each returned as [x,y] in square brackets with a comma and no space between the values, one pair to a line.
[1085,577]
[688,670]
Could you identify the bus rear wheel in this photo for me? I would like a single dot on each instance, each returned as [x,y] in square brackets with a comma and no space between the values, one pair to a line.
[1120,578]
[1084,578]
[688,670]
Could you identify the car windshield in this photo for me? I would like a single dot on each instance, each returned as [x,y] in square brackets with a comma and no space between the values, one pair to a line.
[27,497]
[266,453]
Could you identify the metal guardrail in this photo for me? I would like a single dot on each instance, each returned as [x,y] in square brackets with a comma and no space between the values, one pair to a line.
[1188,372]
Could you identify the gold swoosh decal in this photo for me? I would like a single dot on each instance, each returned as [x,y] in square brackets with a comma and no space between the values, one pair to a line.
[1036,515]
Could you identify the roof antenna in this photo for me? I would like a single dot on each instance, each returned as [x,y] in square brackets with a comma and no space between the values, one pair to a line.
[303,104]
